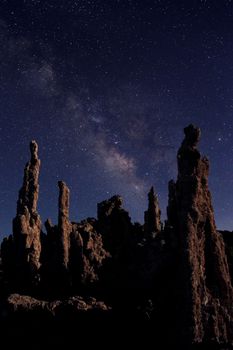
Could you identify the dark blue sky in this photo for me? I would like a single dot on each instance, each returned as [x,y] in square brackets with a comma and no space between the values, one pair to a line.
[106,88]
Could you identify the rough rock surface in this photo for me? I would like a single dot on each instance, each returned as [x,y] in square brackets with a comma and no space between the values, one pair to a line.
[228,240]
[25,303]
[25,245]
[73,252]
[55,254]
[64,225]
[87,254]
[152,215]
[205,291]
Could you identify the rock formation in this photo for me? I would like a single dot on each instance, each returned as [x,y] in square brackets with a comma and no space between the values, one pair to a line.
[27,223]
[228,240]
[55,258]
[176,277]
[152,215]
[114,223]
[64,225]
[26,304]
[203,280]
[73,252]
[116,229]
[87,254]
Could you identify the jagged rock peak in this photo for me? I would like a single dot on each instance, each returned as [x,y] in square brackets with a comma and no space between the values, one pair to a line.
[153,214]
[64,200]
[203,273]
[34,150]
[151,192]
[189,157]
[29,192]
[192,136]
[152,195]
[106,207]
[27,223]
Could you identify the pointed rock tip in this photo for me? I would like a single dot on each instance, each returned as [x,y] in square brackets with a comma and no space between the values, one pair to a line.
[152,190]
[192,135]
[117,200]
[62,184]
[34,149]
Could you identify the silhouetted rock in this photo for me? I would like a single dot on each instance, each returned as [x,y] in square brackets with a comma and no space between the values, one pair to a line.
[114,224]
[116,229]
[8,260]
[105,208]
[87,255]
[204,292]
[172,206]
[152,215]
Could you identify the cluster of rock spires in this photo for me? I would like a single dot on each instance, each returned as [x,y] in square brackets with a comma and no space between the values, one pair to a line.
[175,276]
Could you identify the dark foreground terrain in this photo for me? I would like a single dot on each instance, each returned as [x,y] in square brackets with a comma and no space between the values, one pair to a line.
[108,281]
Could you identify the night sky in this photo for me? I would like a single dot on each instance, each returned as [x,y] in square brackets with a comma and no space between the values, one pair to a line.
[106,88]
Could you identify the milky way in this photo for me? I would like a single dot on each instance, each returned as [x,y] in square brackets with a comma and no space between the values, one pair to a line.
[106,88]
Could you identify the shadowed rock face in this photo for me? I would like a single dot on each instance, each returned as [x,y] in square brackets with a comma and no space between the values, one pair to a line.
[114,224]
[87,254]
[56,246]
[153,214]
[27,223]
[73,252]
[205,291]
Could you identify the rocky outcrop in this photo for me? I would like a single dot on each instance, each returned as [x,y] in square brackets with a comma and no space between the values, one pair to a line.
[205,291]
[25,245]
[26,304]
[87,254]
[114,224]
[152,215]
[105,208]
[73,252]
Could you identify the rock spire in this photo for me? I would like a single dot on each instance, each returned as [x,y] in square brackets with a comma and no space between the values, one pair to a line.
[153,214]
[27,223]
[205,291]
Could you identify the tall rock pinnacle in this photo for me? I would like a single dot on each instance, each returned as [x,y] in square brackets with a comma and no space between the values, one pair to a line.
[64,225]
[27,223]
[205,291]
[28,194]
[152,215]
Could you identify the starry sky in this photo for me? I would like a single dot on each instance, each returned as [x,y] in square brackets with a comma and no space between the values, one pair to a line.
[106,88]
